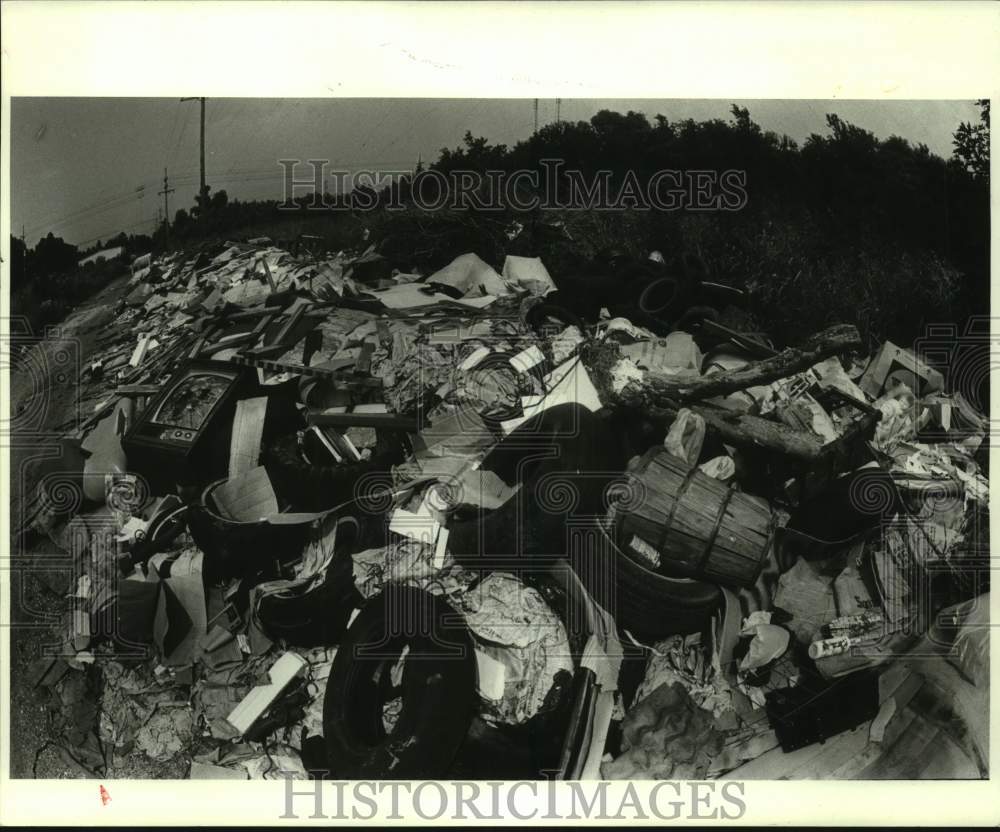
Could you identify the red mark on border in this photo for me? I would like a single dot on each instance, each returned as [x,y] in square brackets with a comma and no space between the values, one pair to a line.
[105,796]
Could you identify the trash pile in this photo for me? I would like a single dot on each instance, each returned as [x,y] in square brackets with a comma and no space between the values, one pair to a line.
[329,517]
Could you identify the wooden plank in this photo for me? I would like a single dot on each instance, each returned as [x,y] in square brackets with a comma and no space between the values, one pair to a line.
[232,341]
[292,320]
[948,762]
[137,389]
[255,703]
[833,755]
[897,727]
[263,324]
[199,345]
[780,765]
[893,704]
[904,759]
[316,370]
[364,361]
[266,353]
[267,272]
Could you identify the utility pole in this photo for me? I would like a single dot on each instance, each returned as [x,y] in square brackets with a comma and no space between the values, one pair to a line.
[558,110]
[536,115]
[167,190]
[204,189]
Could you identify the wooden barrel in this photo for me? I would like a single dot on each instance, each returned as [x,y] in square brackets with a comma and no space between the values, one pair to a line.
[676,519]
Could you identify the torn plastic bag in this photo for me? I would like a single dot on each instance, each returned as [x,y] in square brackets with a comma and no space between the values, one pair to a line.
[686,435]
[967,627]
[807,595]
[167,733]
[768,643]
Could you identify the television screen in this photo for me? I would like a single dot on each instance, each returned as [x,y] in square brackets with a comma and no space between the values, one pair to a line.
[192,400]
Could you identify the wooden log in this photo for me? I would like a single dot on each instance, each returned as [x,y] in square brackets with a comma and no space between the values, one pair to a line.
[660,396]
[684,388]
[743,430]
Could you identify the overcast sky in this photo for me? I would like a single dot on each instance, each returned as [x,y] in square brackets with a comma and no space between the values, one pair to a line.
[87,168]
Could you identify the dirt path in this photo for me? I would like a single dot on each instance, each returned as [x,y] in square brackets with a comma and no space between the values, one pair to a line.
[43,397]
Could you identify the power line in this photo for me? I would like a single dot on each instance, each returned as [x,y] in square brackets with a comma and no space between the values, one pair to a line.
[91,210]
[118,231]
[245,175]
[96,206]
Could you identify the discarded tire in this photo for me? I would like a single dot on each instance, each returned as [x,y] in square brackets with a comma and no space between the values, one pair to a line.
[162,531]
[314,614]
[312,487]
[437,689]
[549,316]
[236,548]
[654,605]
[646,603]
[659,297]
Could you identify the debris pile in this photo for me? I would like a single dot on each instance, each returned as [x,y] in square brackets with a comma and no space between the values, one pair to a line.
[333,517]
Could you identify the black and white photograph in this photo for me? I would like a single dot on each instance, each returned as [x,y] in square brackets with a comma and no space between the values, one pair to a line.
[580,442]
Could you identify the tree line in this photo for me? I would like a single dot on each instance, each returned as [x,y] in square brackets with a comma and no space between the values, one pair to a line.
[846,226]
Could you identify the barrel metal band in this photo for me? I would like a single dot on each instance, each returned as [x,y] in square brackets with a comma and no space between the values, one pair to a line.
[715,531]
[661,546]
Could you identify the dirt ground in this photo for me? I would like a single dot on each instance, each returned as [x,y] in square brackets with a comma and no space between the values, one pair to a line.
[44,402]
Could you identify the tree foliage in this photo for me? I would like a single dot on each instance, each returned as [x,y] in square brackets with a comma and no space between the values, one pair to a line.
[972,143]
[879,230]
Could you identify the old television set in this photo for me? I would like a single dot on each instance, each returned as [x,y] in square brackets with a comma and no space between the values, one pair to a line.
[182,437]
